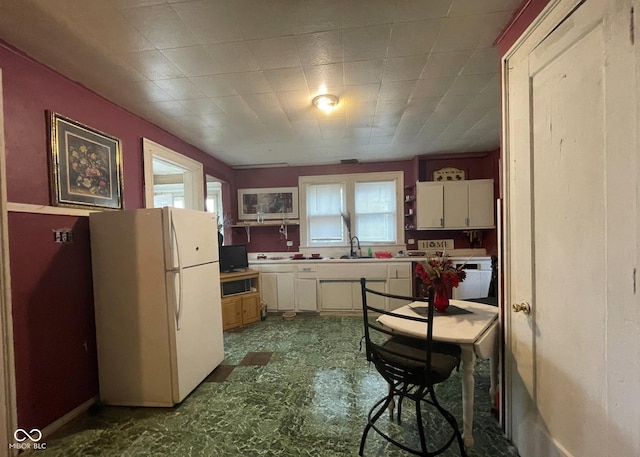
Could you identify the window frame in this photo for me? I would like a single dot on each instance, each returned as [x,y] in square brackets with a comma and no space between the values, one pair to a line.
[349,180]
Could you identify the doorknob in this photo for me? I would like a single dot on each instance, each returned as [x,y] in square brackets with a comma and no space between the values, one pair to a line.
[524,307]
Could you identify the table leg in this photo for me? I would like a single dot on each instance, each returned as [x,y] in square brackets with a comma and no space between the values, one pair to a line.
[493,389]
[468,367]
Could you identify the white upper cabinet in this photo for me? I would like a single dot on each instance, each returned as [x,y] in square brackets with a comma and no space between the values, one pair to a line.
[455,204]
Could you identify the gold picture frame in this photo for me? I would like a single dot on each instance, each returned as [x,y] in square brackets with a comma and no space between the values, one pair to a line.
[85,166]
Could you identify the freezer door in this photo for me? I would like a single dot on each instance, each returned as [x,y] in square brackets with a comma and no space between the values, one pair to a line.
[197,342]
[191,237]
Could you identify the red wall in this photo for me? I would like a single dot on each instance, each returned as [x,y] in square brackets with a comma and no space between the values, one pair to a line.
[268,239]
[52,295]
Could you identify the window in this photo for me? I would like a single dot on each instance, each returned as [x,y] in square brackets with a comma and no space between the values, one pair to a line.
[325,205]
[375,211]
[372,200]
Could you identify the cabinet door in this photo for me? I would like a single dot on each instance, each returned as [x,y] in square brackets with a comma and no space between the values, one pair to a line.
[456,204]
[286,290]
[231,312]
[399,287]
[336,295]
[269,289]
[306,295]
[429,211]
[481,203]
[372,300]
[250,308]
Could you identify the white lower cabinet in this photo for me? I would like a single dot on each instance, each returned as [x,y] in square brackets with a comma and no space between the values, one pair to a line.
[278,290]
[323,286]
[306,295]
[346,295]
[399,283]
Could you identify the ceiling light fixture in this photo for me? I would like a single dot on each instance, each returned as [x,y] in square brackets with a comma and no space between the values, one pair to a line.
[326,102]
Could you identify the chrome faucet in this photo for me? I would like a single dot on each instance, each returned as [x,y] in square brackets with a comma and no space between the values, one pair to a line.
[352,253]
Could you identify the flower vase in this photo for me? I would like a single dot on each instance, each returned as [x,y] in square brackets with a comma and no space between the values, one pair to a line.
[440,299]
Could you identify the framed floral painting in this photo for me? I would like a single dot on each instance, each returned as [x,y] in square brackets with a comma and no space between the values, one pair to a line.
[85,166]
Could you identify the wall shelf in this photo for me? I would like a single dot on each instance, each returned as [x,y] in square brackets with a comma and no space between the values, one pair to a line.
[270,223]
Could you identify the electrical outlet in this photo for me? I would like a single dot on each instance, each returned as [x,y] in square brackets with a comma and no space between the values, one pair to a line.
[63,236]
[289,243]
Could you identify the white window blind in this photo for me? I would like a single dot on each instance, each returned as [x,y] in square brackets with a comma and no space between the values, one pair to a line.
[325,204]
[375,211]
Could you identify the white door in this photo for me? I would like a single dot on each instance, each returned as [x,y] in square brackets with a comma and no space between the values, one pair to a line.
[571,233]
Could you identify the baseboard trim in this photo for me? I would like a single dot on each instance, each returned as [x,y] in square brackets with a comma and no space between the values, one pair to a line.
[74,413]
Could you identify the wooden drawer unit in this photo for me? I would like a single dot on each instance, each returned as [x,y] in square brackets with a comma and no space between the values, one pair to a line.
[240,298]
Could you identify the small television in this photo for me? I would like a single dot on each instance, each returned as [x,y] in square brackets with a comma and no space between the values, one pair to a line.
[233,257]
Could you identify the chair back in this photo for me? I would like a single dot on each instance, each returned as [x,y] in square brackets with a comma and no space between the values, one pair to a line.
[394,361]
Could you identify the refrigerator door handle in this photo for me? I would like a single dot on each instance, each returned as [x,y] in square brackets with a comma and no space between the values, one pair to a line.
[177,271]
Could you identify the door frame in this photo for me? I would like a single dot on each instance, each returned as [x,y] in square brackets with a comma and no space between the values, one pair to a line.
[544,24]
[8,409]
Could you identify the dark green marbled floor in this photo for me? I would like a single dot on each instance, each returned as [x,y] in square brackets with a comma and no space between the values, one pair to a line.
[310,399]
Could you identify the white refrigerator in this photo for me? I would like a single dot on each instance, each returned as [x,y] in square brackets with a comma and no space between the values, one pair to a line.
[158,315]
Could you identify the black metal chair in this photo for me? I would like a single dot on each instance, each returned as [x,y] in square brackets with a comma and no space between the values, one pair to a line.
[412,367]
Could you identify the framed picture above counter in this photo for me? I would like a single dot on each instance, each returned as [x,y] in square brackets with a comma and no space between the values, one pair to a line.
[268,203]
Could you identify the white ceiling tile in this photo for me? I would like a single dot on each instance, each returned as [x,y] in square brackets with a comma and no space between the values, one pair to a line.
[361,109]
[361,93]
[469,84]
[252,82]
[403,68]
[474,7]
[180,88]
[363,72]
[260,19]
[358,13]
[297,105]
[233,57]
[286,79]
[161,25]
[201,106]
[211,22]
[453,103]
[322,79]
[171,108]
[420,105]
[413,38]
[401,90]
[316,15]
[365,43]
[432,87]
[445,64]
[263,103]
[215,85]
[234,105]
[412,10]
[193,61]
[320,48]
[153,64]
[483,60]
[276,52]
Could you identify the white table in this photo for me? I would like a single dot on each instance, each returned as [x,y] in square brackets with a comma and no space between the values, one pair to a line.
[475,333]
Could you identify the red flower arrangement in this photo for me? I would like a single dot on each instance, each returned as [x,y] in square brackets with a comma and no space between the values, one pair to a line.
[439,271]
